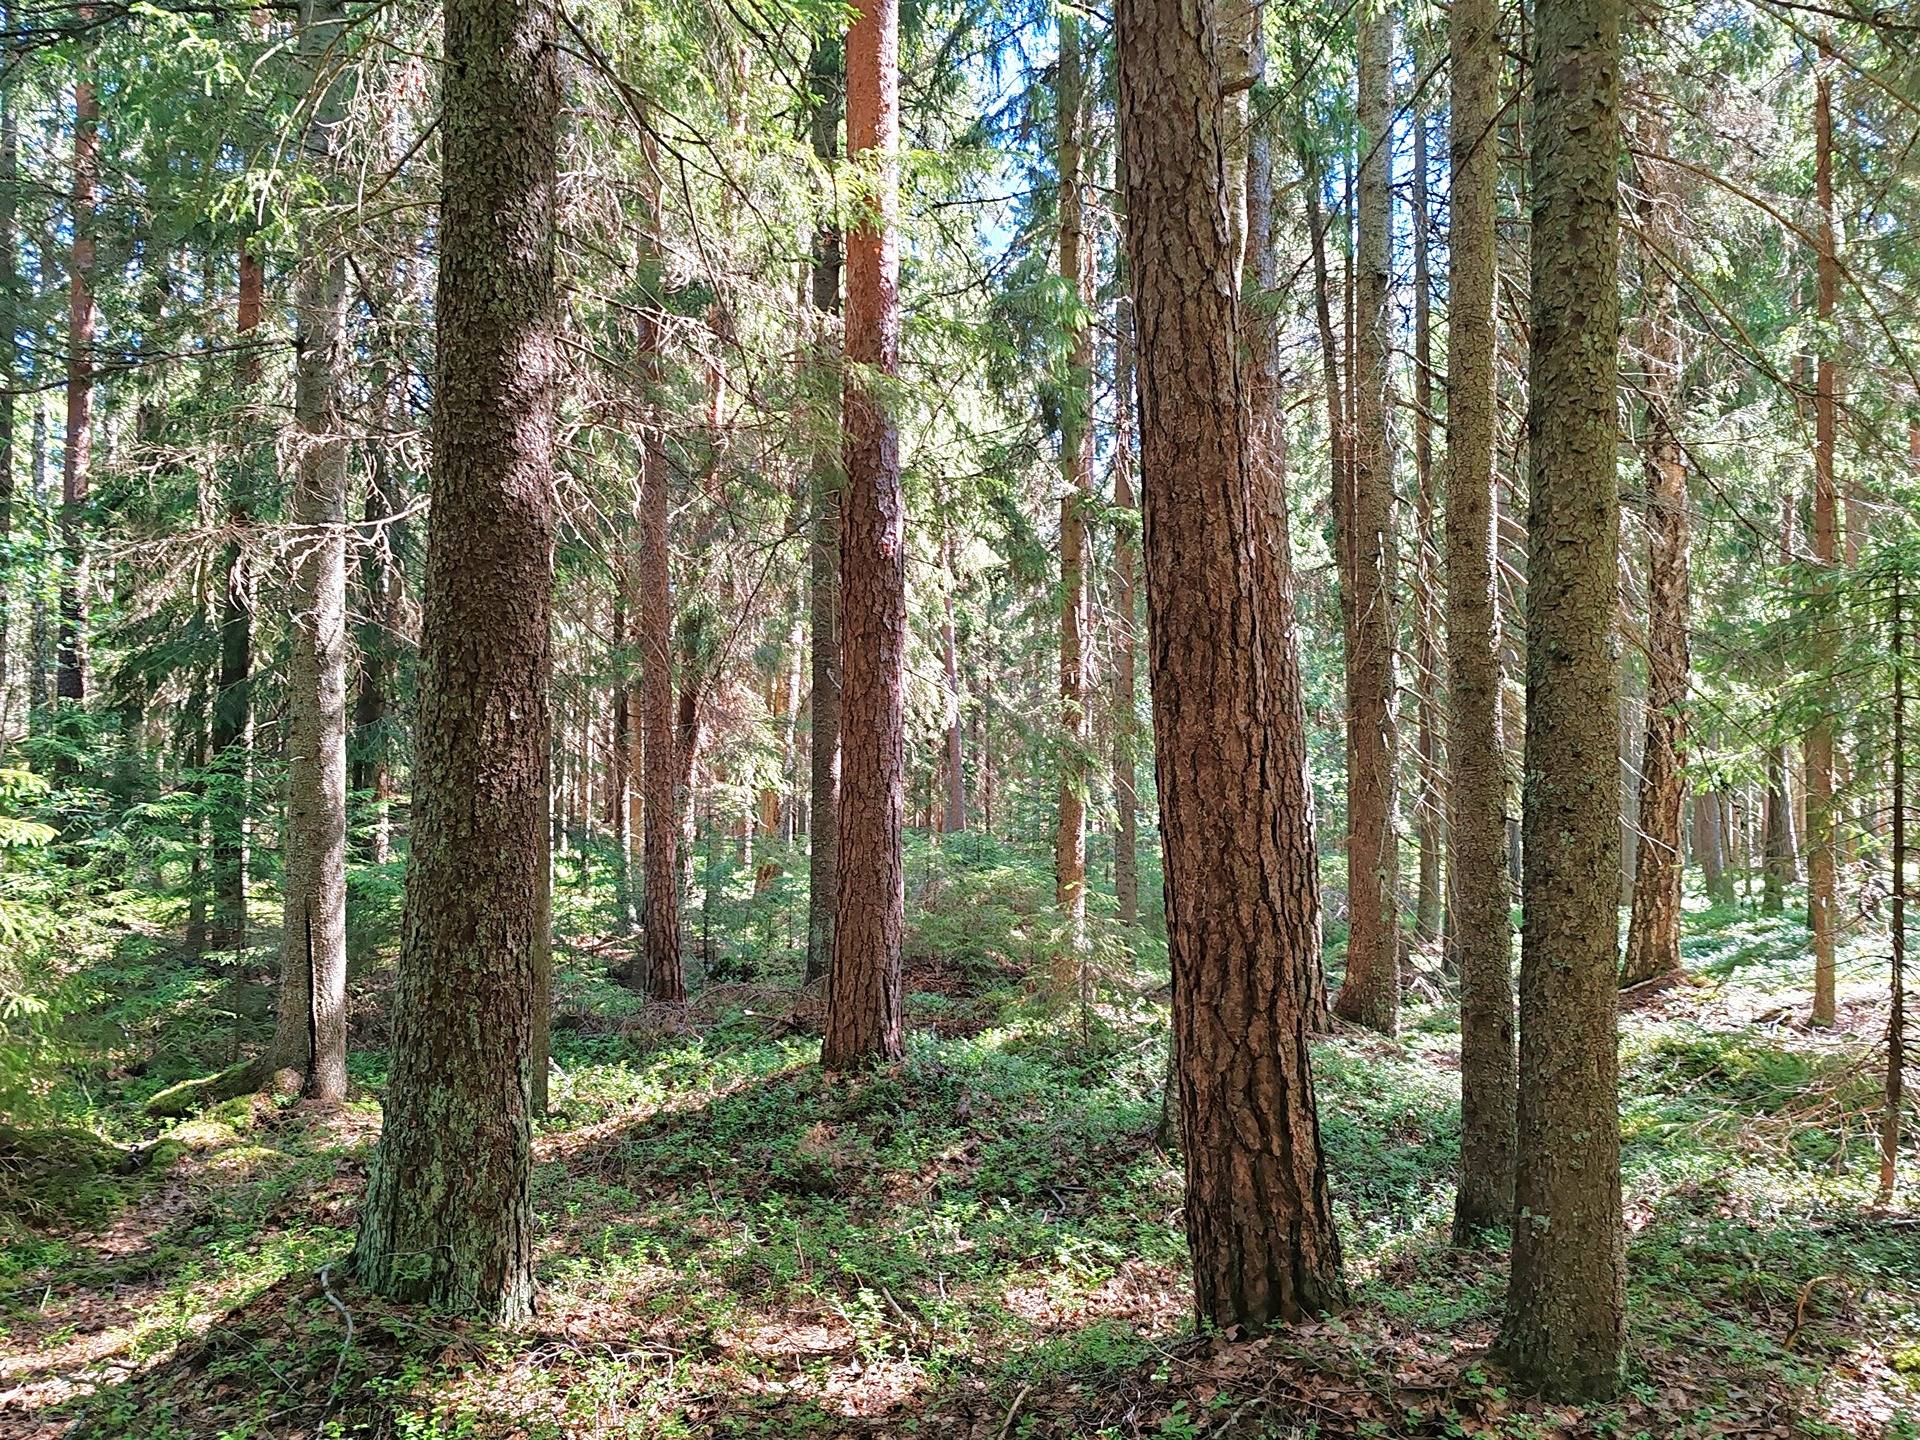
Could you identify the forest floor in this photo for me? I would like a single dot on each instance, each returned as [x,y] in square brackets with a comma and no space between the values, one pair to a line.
[985,1243]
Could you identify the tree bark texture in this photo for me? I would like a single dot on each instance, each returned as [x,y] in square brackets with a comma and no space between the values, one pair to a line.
[1821,817]
[71,679]
[1240,915]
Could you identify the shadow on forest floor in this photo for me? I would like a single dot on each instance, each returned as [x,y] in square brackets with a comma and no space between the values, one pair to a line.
[982,1244]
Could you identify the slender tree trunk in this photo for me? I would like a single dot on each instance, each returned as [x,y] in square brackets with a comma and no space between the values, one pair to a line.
[232,749]
[447,1220]
[1126,607]
[1779,854]
[1653,929]
[661,966]
[956,817]
[1370,994]
[622,769]
[823,549]
[1076,480]
[863,994]
[9,361]
[1429,807]
[1826,552]
[1565,1322]
[310,1031]
[1710,847]
[1897,906]
[1241,909]
[76,472]
[1479,926]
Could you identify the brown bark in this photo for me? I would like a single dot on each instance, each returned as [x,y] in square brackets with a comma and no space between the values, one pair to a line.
[1479,925]
[310,1028]
[1076,480]
[71,679]
[823,551]
[662,971]
[1240,906]
[1653,928]
[863,993]
[1565,1320]
[1370,993]
[447,1220]
[1826,552]
[1710,848]
[956,762]
[1895,1083]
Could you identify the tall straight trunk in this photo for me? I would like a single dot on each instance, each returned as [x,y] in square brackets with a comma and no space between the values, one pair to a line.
[1826,552]
[1076,488]
[1895,1086]
[9,364]
[76,471]
[863,992]
[1429,805]
[1566,1306]
[622,737]
[1126,607]
[1241,925]
[1710,848]
[310,1031]
[1780,855]
[232,747]
[40,664]
[1653,927]
[1479,928]
[382,584]
[447,1220]
[956,816]
[662,969]
[823,549]
[1370,994]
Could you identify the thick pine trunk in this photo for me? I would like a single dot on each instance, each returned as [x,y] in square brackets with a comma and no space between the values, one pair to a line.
[823,552]
[1076,489]
[863,992]
[1370,993]
[1821,815]
[1241,910]
[447,1220]
[1479,925]
[1653,928]
[1565,1321]
[310,1030]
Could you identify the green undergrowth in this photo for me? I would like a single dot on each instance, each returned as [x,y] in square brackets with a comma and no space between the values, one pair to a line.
[985,1241]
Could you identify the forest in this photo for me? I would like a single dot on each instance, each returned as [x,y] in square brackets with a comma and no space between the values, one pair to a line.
[1000,719]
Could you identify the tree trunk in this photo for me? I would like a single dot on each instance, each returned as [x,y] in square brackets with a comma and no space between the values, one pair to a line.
[1565,1320]
[1076,481]
[1429,806]
[1779,853]
[956,817]
[1826,553]
[1479,923]
[232,749]
[1370,993]
[1653,929]
[1126,607]
[9,362]
[310,1031]
[1710,848]
[1241,910]
[1895,1086]
[662,972]
[863,994]
[823,550]
[447,1220]
[71,680]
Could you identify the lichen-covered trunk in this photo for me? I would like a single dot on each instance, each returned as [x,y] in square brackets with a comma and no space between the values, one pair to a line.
[1479,928]
[1076,488]
[823,550]
[310,1027]
[1821,810]
[447,1220]
[1565,1320]
[1240,908]
[1370,993]
[1429,805]
[1126,607]
[1653,926]
[863,1023]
